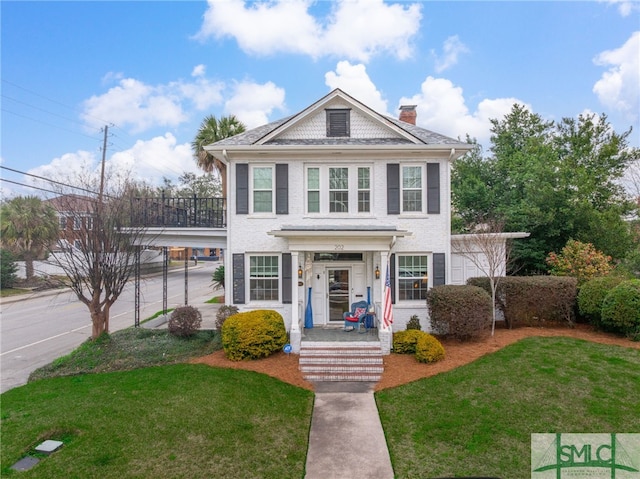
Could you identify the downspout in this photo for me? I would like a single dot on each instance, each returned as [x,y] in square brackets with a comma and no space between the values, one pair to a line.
[228,292]
[448,248]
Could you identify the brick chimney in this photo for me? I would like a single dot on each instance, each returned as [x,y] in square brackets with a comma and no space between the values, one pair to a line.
[408,114]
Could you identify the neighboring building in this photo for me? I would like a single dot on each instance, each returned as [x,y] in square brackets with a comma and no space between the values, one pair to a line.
[321,203]
[75,217]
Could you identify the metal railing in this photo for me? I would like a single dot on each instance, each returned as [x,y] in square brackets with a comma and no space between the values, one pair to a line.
[187,212]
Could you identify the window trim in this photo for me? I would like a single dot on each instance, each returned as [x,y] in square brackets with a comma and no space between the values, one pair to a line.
[253,190]
[398,278]
[278,278]
[421,189]
[352,188]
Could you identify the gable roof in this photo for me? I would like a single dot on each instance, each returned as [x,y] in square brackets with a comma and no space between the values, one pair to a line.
[396,132]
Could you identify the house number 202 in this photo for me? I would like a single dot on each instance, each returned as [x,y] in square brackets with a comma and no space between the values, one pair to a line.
[339,247]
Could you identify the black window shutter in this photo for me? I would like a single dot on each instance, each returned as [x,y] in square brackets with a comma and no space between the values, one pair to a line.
[338,123]
[238,278]
[282,189]
[439,274]
[392,277]
[433,188]
[393,189]
[242,188]
[287,283]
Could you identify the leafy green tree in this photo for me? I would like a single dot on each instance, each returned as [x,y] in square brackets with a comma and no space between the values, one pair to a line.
[555,181]
[207,185]
[212,130]
[8,269]
[28,227]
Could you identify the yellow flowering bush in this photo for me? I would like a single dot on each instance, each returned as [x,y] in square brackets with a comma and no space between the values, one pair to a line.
[253,334]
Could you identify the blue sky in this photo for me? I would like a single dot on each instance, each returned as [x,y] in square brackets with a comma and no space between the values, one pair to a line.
[152,70]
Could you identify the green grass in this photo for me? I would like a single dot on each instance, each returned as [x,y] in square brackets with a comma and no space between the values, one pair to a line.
[130,349]
[7,292]
[177,421]
[478,419]
[216,300]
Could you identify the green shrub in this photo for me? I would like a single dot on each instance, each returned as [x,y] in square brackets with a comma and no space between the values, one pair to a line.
[460,312]
[533,300]
[184,321]
[404,342]
[253,334]
[8,268]
[223,313]
[429,349]
[414,323]
[217,278]
[591,297]
[621,309]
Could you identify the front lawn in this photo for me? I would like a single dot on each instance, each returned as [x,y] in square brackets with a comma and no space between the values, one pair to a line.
[177,421]
[478,419]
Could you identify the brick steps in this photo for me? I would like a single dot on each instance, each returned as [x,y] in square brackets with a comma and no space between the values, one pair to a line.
[341,361]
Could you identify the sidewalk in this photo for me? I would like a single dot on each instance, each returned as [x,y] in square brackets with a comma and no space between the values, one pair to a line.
[346,439]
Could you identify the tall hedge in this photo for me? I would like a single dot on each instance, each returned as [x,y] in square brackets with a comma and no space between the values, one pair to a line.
[459,311]
[8,269]
[532,300]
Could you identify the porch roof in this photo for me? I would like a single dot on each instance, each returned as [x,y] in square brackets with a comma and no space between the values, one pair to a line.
[340,237]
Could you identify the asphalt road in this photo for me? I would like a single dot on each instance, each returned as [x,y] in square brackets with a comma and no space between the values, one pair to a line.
[37,330]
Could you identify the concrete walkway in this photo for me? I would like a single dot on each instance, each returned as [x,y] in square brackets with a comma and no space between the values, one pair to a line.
[346,439]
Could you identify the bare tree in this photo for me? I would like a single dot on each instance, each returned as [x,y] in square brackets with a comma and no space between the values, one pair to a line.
[489,249]
[97,250]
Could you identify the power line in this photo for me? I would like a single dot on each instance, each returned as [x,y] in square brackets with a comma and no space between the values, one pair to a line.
[49,124]
[48,180]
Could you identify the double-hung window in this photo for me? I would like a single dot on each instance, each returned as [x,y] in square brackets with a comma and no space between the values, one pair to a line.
[412,186]
[338,189]
[262,189]
[264,278]
[413,278]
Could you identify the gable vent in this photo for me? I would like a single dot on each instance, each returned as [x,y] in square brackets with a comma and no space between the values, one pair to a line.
[338,122]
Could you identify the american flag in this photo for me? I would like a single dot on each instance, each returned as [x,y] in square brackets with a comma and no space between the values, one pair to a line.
[387,315]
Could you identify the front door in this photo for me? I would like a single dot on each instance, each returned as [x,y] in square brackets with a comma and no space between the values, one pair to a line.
[339,293]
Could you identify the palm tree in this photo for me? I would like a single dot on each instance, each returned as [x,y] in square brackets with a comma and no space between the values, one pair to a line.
[28,227]
[212,130]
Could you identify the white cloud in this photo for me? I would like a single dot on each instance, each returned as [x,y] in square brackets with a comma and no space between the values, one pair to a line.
[252,103]
[137,106]
[355,29]
[441,107]
[619,86]
[198,70]
[451,49]
[151,160]
[625,7]
[354,80]
[65,169]
[134,104]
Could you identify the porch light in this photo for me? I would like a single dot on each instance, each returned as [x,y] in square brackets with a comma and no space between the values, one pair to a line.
[377,272]
[299,272]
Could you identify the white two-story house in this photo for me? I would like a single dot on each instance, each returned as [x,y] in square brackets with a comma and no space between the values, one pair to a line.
[322,203]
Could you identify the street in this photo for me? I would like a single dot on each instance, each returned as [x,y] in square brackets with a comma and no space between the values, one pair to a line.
[36,331]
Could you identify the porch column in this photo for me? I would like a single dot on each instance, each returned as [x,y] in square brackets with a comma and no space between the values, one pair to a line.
[385,333]
[295,335]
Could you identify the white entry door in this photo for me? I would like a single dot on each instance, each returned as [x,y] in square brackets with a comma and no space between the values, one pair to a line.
[335,287]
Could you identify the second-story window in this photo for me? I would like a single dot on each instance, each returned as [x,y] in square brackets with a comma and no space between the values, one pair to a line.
[339,190]
[364,190]
[77,223]
[412,188]
[262,178]
[313,190]
[63,222]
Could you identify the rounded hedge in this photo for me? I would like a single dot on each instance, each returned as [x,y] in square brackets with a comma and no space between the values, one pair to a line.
[621,309]
[184,321]
[462,312]
[253,335]
[592,295]
[404,342]
[429,349]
